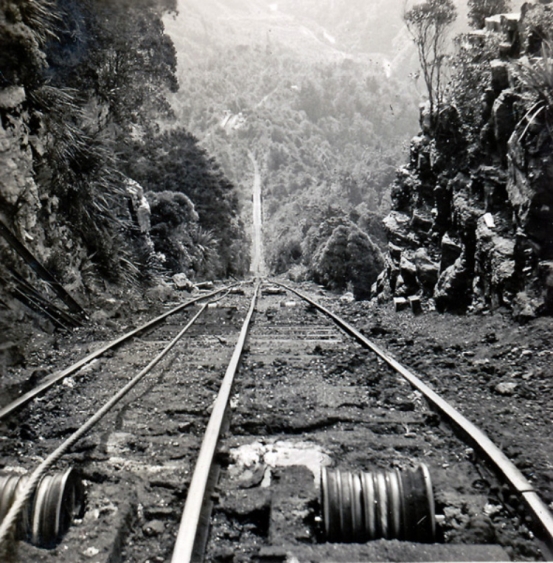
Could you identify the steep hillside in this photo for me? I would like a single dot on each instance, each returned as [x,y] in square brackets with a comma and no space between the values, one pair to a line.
[201,28]
[83,87]
[472,219]
[325,124]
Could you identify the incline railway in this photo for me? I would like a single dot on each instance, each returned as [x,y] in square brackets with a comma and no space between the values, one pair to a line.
[250,425]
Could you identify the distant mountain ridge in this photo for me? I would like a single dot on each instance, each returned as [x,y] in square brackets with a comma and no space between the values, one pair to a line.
[202,26]
[318,30]
[327,28]
[356,26]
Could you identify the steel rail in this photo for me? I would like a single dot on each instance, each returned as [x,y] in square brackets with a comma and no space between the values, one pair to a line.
[503,465]
[8,524]
[25,291]
[188,529]
[40,270]
[56,377]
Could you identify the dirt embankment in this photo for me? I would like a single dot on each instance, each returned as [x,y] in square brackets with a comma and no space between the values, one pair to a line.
[496,372]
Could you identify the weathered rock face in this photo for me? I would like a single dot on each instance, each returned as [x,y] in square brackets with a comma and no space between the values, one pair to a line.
[32,213]
[140,207]
[29,213]
[452,290]
[530,192]
[18,191]
[472,224]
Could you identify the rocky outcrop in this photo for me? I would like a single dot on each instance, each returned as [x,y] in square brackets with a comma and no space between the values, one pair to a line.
[140,207]
[471,224]
[32,213]
[18,192]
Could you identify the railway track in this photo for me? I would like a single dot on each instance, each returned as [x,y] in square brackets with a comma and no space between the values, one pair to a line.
[310,439]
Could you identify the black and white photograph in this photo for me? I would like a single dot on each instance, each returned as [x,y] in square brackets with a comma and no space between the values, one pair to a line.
[276,281]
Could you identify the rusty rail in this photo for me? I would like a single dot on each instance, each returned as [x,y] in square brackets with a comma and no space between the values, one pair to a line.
[185,546]
[58,376]
[503,465]
[8,524]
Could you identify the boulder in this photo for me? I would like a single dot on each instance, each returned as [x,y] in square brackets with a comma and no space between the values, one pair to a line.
[506,387]
[161,292]
[451,292]
[12,96]
[395,252]
[500,75]
[427,270]
[495,264]
[397,229]
[347,297]
[421,222]
[392,272]
[408,271]
[400,289]
[450,252]
[383,290]
[182,283]
[381,281]
[526,307]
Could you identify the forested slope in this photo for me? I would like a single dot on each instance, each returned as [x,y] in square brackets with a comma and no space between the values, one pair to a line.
[326,126]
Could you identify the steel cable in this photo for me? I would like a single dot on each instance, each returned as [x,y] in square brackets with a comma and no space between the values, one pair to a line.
[7,527]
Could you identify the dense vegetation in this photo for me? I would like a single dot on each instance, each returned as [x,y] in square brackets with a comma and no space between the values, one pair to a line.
[84,86]
[327,136]
[175,169]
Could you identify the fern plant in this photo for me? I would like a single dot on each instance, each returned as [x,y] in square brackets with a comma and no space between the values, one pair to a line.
[536,76]
[206,261]
[81,171]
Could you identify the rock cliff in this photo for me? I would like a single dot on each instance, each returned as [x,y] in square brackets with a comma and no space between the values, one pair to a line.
[471,225]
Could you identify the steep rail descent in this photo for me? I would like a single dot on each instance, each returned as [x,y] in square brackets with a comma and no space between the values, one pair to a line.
[280,436]
[258,262]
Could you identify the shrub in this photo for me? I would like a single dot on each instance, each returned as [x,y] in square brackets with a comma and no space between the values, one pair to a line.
[479,10]
[537,77]
[349,255]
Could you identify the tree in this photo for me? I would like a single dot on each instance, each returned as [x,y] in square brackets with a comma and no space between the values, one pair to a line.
[174,162]
[479,10]
[428,24]
[119,53]
[348,255]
